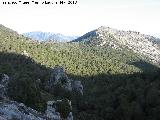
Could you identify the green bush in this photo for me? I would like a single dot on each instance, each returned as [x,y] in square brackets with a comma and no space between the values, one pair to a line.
[63,107]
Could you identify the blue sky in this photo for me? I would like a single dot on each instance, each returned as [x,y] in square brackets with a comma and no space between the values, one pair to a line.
[86,15]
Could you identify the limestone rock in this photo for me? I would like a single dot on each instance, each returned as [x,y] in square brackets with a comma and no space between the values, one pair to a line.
[2,118]
[4,80]
[12,110]
[70,116]
[77,86]
[59,77]
[51,111]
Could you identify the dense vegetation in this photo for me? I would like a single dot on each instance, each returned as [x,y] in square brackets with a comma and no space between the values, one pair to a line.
[118,84]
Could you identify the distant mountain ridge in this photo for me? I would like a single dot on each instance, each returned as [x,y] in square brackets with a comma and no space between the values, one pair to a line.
[140,43]
[49,36]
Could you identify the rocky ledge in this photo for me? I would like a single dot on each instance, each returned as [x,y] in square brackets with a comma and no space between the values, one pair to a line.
[11,110]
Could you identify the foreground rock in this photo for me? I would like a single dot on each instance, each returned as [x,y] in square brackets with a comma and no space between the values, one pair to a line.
[1,118]
[52,114]
[56,110]
[12,110]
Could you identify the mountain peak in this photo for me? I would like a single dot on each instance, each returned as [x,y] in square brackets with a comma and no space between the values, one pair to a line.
[103,28]
[118,39]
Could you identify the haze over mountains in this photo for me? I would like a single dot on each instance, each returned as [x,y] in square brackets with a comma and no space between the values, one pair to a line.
[104,36]
[49,36]
[106,74]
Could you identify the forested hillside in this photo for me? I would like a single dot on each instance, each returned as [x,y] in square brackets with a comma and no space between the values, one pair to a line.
[142,44]
[118,83]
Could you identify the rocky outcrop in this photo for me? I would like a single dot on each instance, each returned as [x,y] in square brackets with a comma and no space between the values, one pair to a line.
[2,118]
[4,80]
[51,111]
[77,87]
[12,110]
[56,110]
[59,77]
[52,114]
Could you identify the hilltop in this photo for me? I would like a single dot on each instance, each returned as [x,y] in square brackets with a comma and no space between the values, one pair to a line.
[139,43]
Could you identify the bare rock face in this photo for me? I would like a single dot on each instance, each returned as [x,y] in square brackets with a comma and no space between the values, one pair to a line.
[4,80]
[59,77]
[56,110]
[2,118]
[70,116]
[77,87]
[51,113]
[11,110]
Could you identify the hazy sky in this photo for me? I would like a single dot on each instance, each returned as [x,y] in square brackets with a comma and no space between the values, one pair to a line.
[86,15]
